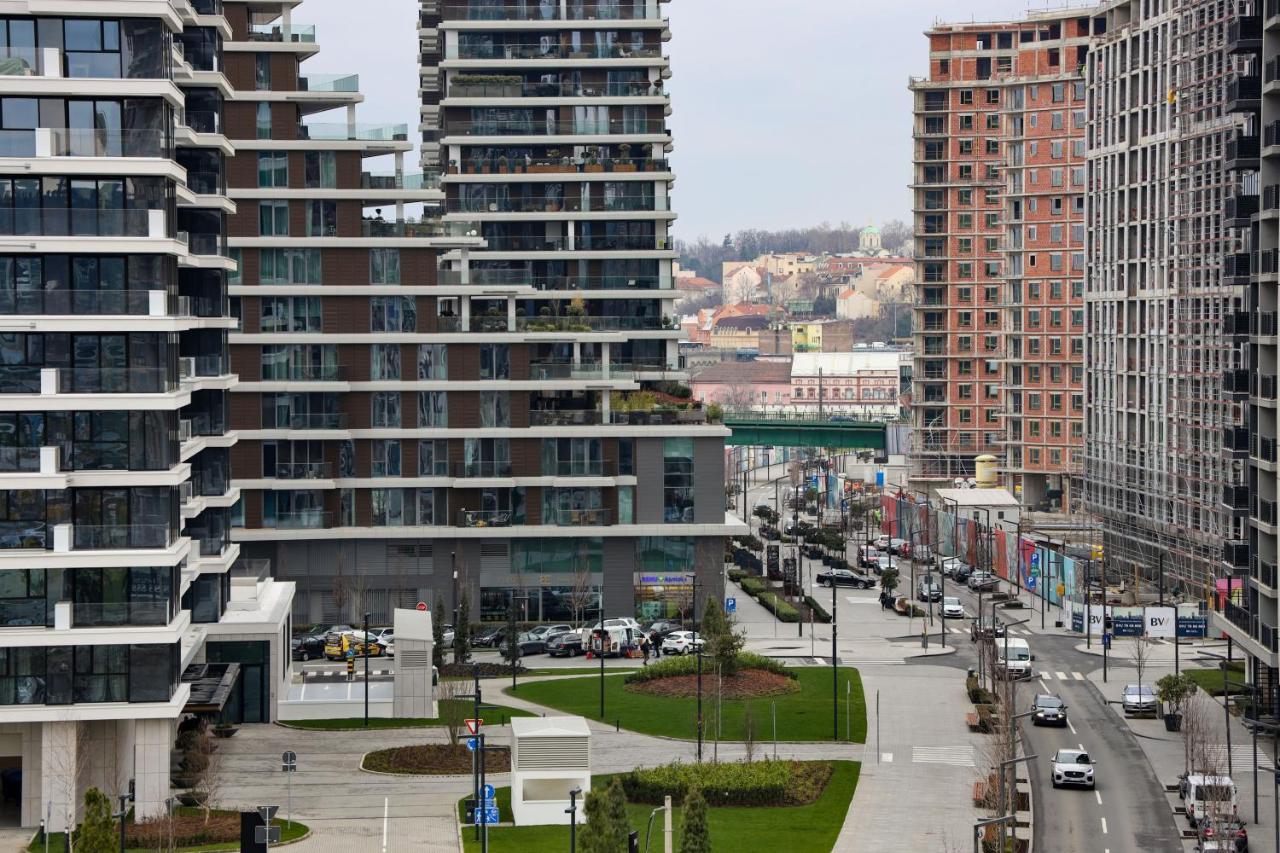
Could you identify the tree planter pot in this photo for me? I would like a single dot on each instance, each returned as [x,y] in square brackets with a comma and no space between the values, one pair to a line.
[1173,722]
[225,731]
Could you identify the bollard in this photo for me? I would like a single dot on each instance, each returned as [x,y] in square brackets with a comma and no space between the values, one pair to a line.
[924,640]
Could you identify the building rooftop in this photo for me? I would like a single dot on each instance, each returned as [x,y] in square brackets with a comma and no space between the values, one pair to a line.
[549,727]
[729,372]
[977,497]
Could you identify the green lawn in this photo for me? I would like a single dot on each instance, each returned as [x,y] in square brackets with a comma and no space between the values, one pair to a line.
[495,716]
[805,715]
[1210,679]
[812,828]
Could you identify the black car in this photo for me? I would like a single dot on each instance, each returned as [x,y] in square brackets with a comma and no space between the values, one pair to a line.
[567,645]
[310,647]
[529,644]
[844,577]
[488,638]
[662,627]
[1048,710]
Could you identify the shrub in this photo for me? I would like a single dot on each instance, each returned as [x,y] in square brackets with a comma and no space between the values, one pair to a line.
[695,835]
[688,665]
[97,832]
[736,575]
[752,586]
[738,783]
[819,612]
[781,609]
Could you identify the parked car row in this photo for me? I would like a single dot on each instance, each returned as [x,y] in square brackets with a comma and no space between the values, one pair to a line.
[336,641]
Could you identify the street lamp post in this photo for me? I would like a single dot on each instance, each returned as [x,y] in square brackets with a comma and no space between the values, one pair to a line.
[955,528]
[698,654]
[572,811]
[835,677]
[365,647]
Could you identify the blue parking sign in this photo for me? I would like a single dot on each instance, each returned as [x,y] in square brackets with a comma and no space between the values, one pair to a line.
[730,605]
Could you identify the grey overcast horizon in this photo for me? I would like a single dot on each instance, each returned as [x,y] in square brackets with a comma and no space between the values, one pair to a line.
[784,115]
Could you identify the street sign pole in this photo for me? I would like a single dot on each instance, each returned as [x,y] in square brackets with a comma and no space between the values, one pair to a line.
[484,827]
[289,764]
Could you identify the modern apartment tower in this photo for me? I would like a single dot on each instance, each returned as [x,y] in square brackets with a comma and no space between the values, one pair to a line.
[998,189]
[1173,145]
[569,471]
[122,603]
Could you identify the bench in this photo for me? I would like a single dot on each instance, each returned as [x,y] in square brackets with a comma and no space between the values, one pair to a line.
[972,721]
[979,793]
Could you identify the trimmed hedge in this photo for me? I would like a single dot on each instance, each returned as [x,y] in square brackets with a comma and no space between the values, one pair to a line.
[736,575]
[739,783]
[781,609]
[820,613]
[688,665]
[752,586]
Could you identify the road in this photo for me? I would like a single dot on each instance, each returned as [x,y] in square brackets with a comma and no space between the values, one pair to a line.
[1128,811]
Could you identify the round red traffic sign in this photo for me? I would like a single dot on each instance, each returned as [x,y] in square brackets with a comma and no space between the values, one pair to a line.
[422,605]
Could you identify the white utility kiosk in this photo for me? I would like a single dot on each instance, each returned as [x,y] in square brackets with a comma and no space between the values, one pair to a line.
[550,756]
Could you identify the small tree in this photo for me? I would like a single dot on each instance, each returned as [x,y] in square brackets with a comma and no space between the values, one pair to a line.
[462,631]
[452,710]
[695,835]
[889,580]
[616,811]
[437,634]
[512,652]
[722,642]
[594,835]
[1175,690]
[97,833]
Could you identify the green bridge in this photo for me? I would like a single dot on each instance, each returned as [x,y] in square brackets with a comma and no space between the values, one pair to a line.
[768,429]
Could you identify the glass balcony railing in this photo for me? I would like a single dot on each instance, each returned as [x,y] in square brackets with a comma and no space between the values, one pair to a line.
[114,380]
[329,83]
[336,132]
[19,460]
[84,142]
[542,204]
[292,34]
[577,517]
[519,127]
[104,537]
[308,519]
[577,468]
[392,181]
[462,88]
[484,468]
[78,222]
[558,165]
[542,371]
[584,50]
[486,518]
[303,372]
[433,228]
[315,420]
[589,324]
[526,10]
[303,470]
[206,183]
[76,302]
[25,534]
[86,614]
[202,121]
[483,277]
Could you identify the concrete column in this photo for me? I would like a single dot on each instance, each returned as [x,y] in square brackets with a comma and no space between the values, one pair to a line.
[351,120]
[465,310]
[32,767]
[151,742]
[286,24]
[604,361]
[59,783]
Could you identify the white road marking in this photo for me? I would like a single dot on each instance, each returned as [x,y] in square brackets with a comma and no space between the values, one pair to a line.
[1077,676]
[1045,686]
[1104,826]
[959,756]
[1073,728]
[886,757]
[1082,747]
[1062,676]
[1098,797]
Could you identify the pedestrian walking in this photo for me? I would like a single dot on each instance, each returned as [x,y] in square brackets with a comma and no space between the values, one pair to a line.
[644,650]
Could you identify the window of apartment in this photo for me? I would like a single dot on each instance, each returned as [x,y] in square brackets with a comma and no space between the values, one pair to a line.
[964,221]
[1077,176]
[386,409]
[495,409]
[386,457]
[1057,206]
[1055,317]
[273,169]
[993,121]
[384,362]
[991,293]
[1059,92]
[1077,233]
[262,72]
[1055,429]
[965,415]
[964,294]
[273,218]
[964,343]
[263,122]
[1077,261]
[1077,402]
[964,392]
[966,97]
[1033,401]
[1055,346]
[1033,429]
[992,171]
[991,244]
[1033,346]
[1055,177]
[1077,147]
[384,266]
[993,96]
[433,457]
[964,246]
[964,367]
[991,196]
[1033,120]
[990,343]
[1077,346]
[966,121]
[1033,374]
[1077,289]
[964,269]
[1077,90]
[320,170]
[393,314]
[433,409]
[966,146]
[991,269]
[965,171]
[944,66]
[1055,290]
[322,219]
[964,198]
[991,318]
[1077,429]
[677,480]
[1056,119]
[387,507]
[1077,317]
[991,368]
[290,314]
[495,361]
[1077,119]
[992,220]
[433,361]
[1055,149]
[964,319]
[1055,402]
[1033,318]
[993,146]
[289,266]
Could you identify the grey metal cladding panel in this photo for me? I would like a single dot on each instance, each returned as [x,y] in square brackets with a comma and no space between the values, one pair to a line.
[619,576]
[648,506]
[708,480]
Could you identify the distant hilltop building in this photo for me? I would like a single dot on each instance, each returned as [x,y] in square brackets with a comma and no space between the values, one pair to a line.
[869,240]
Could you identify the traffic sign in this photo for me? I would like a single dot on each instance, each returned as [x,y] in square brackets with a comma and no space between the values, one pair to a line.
[487,815]
[1062,589]
[289,761]
[473,743]
[731,605]
[487,792]
[267,812]
[473,726]
[422,605]
[1031,583]
[266,834]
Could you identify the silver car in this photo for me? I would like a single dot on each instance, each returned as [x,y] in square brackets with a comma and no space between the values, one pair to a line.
[1139,699]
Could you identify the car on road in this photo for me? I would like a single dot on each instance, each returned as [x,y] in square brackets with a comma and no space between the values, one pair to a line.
[900,547]
[1013,658]
[565,645]
[882,542]
[950,565]
[1139,699]
[1048,710]
[928,589]
[681,643]
[922,554]
[984,581]
[868,557]
[952,608]
[310,647]
[529,645]
[844,577]
[1228,835]
[1209,799]
[985,629]
[883,562]
[486,638]
[662,627]
[1072,767]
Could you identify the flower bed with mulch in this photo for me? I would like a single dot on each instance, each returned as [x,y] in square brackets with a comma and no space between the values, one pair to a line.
[188,829]
[434,759]
[737,783]
[747,684]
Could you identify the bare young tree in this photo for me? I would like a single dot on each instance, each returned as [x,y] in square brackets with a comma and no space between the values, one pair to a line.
[581,593]
[208,777]
[1140,656]
[452,710]
[69,763]
[359,597]
[341,592]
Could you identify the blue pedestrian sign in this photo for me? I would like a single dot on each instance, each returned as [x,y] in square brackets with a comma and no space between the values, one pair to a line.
[486,815]
[486,792]
[731,605]
[473,744]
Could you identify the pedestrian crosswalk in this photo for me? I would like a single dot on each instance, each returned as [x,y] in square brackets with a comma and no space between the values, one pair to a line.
[957,756]
[1241,758]
[1060,676]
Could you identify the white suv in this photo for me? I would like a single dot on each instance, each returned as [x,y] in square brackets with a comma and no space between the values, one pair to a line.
[1072,767]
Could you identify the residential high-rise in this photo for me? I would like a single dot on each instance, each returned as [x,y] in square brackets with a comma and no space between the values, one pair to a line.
[998,189]
[1167,413]
[573,471]
[123,604]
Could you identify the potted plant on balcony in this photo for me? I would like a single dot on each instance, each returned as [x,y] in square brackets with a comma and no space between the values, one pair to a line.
[453,167]
[593,161]
[1174,691]
[550,164]
[504,165]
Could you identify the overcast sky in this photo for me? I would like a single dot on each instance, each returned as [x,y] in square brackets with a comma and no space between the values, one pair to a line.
[784,114]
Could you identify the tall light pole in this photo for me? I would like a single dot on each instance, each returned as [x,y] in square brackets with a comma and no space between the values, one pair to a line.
[365,647]
[698,654]
[572,811]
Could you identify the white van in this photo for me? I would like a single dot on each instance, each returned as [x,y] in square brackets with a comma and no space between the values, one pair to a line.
[1209,797]
[1013,656]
